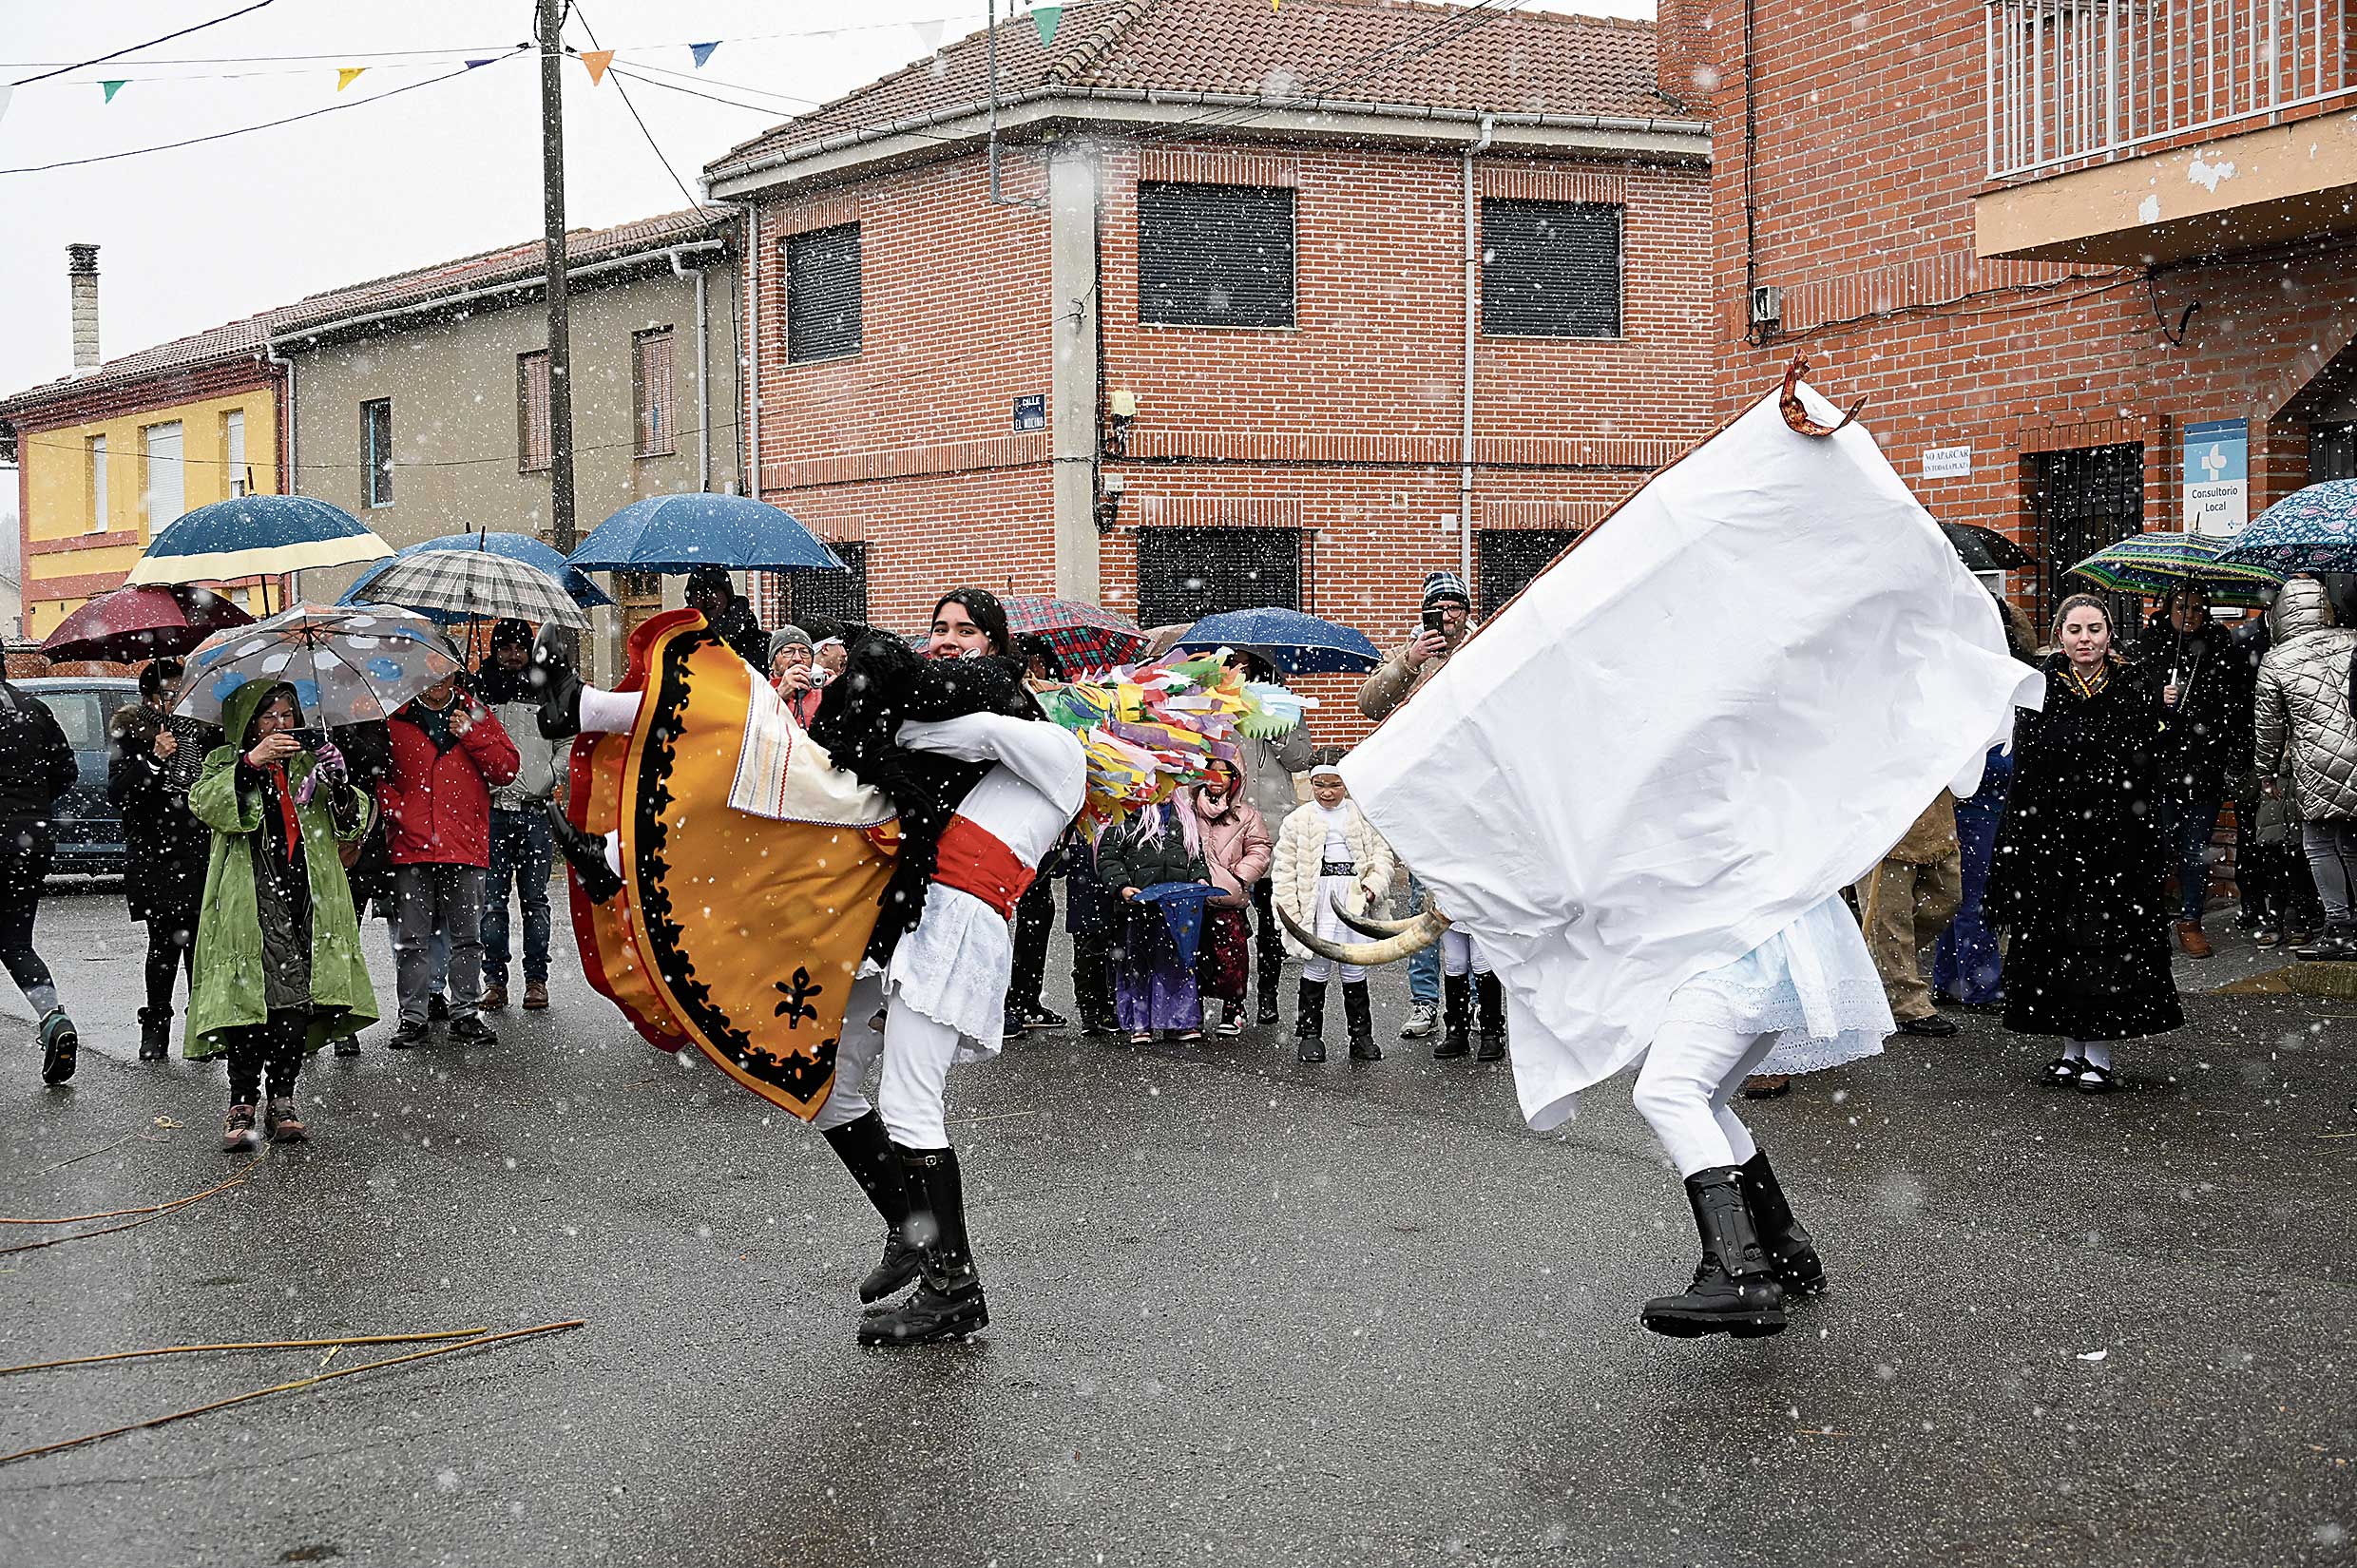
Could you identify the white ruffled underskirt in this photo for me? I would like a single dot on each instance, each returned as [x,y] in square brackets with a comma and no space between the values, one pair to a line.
[1812,984]
[954,968]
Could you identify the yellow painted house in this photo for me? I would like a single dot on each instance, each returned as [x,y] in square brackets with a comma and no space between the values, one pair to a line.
[112,454]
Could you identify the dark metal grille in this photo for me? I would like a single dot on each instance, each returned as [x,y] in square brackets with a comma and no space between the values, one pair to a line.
[1510,558]
[2332,452]
[822,293]
[1215,255]
[1551,269]
[1186,574]
[2085,498]
[842,595]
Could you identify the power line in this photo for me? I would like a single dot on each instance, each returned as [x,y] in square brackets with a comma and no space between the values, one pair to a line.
[150,44]
[242,130]
[651,146]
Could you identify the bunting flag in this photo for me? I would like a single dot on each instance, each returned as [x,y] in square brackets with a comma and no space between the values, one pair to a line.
[597,60]
[472,64]
[702,51]
[7,92]
[1045,18]
[114,86]
[347,75]
[928,35]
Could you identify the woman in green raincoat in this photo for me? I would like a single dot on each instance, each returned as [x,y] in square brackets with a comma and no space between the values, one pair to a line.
[279,965]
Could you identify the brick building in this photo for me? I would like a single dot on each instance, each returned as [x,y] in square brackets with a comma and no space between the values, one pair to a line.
[1264,302]
[2088,262]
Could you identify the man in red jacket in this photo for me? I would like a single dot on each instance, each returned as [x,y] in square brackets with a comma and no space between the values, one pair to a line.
[448,752]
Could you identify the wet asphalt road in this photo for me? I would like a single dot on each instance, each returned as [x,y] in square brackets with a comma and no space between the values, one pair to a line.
[1246,1313]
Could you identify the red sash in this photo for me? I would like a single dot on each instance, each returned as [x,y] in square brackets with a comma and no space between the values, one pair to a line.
[974,862]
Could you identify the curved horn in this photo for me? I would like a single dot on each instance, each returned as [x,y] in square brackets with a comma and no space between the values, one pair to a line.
[1796,413]
[1425,930]
[1370,926]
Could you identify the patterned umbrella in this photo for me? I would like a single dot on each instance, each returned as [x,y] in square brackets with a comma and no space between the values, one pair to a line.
[2309,530]
[474,584]
[522,546]
[2156,563]
[255,536]
[1085,636]
[348,663]
[127,624]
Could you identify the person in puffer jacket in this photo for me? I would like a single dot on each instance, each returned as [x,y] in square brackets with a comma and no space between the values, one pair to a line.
[1327,850]
[522,847]
[2303,710]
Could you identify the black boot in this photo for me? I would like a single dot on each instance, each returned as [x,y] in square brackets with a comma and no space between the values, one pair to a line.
[1734,1290]
[866,1151]
[1272,979]
[1790,1250]
[1310,1021]
[555,684]
[154,1033]
[586,853]
[1456,1019]
[948,1302]
[1492,1017]
[1359,1014]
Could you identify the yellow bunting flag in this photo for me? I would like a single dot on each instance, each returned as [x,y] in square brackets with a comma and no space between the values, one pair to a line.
[597,60]
[347,75]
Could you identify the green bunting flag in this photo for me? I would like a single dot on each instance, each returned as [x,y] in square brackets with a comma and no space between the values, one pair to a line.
[113,88]
[1045,18]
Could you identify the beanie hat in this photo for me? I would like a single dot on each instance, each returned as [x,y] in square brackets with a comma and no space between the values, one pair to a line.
[788,637]
[1444,587]
[508,632]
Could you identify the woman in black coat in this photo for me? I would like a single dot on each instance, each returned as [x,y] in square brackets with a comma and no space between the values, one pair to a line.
[165,848]
[2080,865]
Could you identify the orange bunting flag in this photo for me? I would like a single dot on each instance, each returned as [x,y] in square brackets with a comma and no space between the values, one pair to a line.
[347,75]
[597,60]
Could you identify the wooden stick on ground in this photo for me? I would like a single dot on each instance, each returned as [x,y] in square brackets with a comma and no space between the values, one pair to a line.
[282,1388]
[246,1345]
[150,1209]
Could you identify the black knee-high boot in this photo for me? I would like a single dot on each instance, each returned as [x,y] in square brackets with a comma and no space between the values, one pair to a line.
[1790,1249]
[1358,1014]
[1734,1290]
[1456,1019]
[1310,1021]
[1492,996]
[866,1151]
[948,1301]
[586,853]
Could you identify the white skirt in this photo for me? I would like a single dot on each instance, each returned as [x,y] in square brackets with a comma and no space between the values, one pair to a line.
[954,968]
[1812,984]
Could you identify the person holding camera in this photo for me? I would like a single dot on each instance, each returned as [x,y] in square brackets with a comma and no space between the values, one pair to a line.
[1448,621]
[449,753]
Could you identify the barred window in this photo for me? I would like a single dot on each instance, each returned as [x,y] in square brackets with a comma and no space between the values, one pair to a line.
[1215,255]
[1186,574]
[533,440]
[377,452]
[822,293]
[1551,269]
[1510,558]
[650,383]
[841,595]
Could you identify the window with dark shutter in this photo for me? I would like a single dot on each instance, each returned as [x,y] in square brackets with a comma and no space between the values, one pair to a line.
[650,384]
[1215,255]
[1551,269]
[1186,574]
[842,595]
[532,438]
[822,293]
[1510,558]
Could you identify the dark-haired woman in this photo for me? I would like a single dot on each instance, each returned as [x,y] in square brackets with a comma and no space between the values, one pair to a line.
[147,778]
[2079,868]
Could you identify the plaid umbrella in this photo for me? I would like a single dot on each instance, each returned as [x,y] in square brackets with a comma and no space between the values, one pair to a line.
[1085,636]
[2309,530]
[2156,564]
[474,583]
[348,663]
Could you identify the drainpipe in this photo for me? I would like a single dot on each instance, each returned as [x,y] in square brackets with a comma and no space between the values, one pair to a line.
[750,364]
[1472,307]
[703,370]
[288,484]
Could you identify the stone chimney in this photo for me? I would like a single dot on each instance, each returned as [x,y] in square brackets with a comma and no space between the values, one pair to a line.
[82,284]
[1686,58]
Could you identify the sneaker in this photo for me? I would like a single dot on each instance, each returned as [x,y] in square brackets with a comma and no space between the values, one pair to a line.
[494,997]
[1423,1018]
[437,1008]
[59,1044]
[279,1121]
[348,1045]
[238,1130]
[1043,1018]
[2267,935]
[410,1035]
[1932,1025]
[470,1031]
[535,996]
[1232,1018]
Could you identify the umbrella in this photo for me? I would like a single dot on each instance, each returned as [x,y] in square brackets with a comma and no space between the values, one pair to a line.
[473,585]
[255,536]
[1294,643]
[2156,564]
[1985,550]
[2309,530]
[1085,636]
[516,546]
[348,663]
[128,625]
[678,533]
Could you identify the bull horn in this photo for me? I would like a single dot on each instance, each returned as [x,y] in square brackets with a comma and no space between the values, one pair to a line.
[1422,932]
[1370,926]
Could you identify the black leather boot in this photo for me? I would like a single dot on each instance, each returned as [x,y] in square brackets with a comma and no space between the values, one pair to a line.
[586,853]
[866,1151]
[154,1033]
[1270,980]
[555,684]
[1492,996]
[948,1302]
[1456,1019]
[1791,1251]
[1310,1021]
[1734,1290]
[1358,1013]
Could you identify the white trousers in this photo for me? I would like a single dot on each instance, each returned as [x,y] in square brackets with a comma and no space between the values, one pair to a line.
[1690,1073]
[911,1092]
[1461,954]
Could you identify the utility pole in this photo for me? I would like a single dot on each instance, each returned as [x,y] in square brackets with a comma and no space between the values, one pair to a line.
[562,531]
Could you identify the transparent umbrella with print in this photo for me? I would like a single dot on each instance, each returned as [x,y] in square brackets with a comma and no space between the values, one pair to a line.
[348,663]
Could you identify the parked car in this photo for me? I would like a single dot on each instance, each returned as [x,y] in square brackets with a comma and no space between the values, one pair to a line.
[89,833]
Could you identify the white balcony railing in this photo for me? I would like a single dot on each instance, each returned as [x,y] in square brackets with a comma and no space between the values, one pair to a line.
[2075,81]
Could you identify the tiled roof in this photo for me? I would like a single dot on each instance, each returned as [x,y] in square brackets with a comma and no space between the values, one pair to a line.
[1390,51]
[215,345]
[516,264]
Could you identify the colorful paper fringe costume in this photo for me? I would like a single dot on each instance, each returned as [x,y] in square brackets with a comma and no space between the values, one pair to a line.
[752,866]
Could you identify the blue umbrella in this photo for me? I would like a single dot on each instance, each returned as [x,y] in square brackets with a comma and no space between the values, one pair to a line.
[1294,643]
[255,536]
[678,533]
[515,547]
[2309,530]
